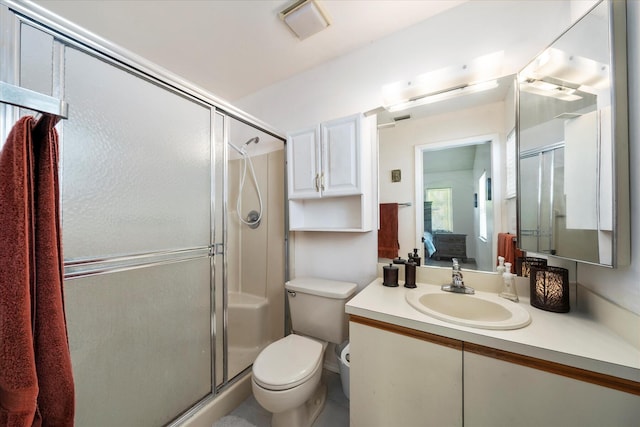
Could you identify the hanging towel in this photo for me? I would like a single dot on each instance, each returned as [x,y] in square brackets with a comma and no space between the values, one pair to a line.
[18,379]
[388,245]
[36,381]
[508,248]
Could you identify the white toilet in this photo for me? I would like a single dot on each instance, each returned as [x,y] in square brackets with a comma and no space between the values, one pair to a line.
[287,374]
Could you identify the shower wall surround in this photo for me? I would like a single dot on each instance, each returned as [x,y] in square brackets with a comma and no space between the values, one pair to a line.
[155,259]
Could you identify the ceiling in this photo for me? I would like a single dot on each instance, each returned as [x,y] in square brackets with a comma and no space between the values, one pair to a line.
[450,159]
[235,48]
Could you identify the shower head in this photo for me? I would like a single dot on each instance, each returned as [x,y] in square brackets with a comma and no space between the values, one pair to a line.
[241,150]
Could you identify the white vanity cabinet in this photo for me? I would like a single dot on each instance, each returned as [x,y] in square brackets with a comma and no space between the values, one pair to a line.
[330,175]
[409,378]
[400,380]
[503,394]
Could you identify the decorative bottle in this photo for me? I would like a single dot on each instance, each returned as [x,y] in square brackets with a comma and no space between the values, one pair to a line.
[500,268]
[509,285]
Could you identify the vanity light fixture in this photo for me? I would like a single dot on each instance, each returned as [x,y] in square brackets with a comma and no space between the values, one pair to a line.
[444,83]
[558,74]
[443,95]
[541,87]
[576,70]
[305,18]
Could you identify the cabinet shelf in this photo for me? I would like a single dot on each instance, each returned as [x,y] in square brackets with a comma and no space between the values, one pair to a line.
[345,213]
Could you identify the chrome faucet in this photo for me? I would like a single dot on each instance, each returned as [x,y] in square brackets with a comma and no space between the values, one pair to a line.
[457,283]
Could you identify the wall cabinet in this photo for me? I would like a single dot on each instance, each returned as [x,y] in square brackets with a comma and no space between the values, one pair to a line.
[330,175]
[401,376]
[325,161]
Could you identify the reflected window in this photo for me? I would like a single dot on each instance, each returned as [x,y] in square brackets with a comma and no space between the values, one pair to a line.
[482,206]
[441,208]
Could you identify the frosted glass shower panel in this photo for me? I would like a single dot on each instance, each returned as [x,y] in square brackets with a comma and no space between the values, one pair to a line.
[529,196]
[140,343]
[136,163]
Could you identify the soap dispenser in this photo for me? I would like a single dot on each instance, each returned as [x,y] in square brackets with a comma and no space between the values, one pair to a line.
[414,257]
[509,285]
[410,275]
[500,268]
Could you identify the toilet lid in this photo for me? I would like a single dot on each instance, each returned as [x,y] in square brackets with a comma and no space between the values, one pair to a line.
[287,362]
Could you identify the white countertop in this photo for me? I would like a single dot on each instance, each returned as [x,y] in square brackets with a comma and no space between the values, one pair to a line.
[568,338]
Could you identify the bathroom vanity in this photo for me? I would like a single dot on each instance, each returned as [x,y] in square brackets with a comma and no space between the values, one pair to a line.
[410,369]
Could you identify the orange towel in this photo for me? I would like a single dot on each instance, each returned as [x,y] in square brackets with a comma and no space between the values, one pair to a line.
[388,245]
[36,381]
[508,248]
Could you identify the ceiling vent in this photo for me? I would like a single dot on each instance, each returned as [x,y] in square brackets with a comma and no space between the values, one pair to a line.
[305,18]
[400,118]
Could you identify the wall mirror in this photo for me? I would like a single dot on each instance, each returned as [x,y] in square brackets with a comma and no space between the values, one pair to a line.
[455,193]
[573,143]
[451,192]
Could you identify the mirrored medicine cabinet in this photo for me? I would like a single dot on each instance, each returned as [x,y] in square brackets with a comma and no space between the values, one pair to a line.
[572,131]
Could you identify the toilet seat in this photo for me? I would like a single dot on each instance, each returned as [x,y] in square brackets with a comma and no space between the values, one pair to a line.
[287,362]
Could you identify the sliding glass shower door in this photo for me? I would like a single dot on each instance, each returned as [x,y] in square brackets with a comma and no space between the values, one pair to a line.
[136,189]
[542,204]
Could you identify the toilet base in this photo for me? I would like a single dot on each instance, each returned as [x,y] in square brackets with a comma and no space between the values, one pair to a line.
[304,415]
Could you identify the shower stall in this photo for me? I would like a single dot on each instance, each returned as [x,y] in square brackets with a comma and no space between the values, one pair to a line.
[254,185]
[174,230]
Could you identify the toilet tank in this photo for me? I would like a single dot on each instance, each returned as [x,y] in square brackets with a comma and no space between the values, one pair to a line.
[317,307]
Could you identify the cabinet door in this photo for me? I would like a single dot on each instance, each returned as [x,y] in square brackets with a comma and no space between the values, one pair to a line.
[303,158]
[396,380]
[341,168]
[498,393]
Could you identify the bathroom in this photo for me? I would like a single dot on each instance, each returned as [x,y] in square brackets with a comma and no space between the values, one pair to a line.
[445,39]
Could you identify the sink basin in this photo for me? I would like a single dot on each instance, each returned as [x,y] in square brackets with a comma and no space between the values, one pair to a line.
[481,310]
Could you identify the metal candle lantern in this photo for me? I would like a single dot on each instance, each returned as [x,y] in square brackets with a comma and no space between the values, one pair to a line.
[525,264]
[550,289]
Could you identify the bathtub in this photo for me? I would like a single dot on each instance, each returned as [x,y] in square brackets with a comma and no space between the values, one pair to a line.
[247,330]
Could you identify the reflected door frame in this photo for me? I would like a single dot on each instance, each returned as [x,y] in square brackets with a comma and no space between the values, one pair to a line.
[496,181]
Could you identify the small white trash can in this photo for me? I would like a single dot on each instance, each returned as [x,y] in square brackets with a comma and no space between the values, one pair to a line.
[342,353]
